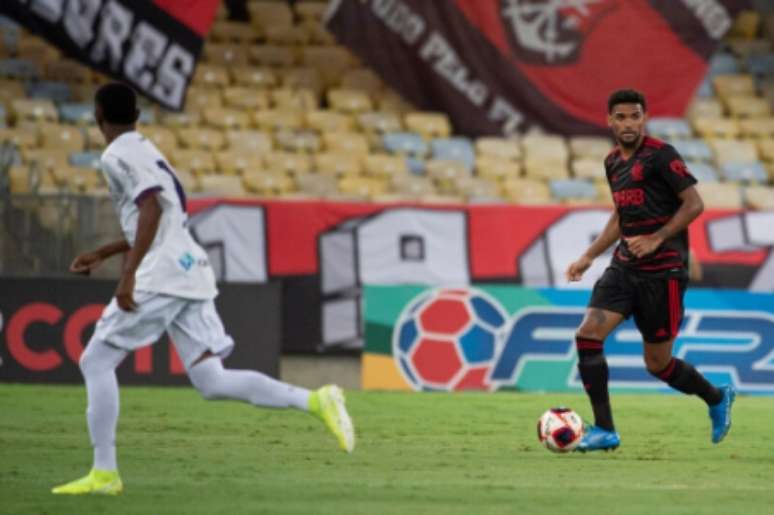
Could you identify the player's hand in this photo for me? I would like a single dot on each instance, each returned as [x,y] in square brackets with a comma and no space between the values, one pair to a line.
[575,270]
[124,292]
[643,245]
[85,263]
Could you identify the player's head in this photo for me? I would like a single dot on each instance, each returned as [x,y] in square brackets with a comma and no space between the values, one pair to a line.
[626,115]
[115,107]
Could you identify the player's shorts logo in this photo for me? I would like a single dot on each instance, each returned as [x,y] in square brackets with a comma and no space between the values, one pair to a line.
[551,31]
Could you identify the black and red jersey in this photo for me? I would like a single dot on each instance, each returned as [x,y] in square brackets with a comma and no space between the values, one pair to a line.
[645,190]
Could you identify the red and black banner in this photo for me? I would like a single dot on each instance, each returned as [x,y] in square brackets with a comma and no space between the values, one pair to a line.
[504,66]
[46,323]
[152,44]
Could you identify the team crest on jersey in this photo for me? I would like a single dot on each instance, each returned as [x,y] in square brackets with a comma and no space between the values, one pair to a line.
[186,261]
[638,171]
[552,31]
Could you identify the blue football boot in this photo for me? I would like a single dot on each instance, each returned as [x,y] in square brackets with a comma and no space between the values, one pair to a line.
[720,414]
[598,439]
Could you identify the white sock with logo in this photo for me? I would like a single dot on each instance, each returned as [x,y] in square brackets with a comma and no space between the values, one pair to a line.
[98,365]
[215,382]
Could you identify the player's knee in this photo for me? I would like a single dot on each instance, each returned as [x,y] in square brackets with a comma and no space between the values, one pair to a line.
[205,377]
[656,364]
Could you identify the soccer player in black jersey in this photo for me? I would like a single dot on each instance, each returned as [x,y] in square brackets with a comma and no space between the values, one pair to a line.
[655,201]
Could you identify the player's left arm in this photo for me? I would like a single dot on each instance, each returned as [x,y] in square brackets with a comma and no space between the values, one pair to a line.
[147,226]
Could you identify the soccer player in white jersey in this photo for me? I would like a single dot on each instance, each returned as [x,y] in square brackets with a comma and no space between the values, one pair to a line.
[167,284]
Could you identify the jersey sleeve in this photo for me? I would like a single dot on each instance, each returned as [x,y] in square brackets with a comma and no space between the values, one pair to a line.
[673,169]
[133,181]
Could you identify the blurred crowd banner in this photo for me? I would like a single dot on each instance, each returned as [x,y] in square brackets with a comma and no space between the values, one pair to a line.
[152,44]
[505,337]
[505,66]
[46,323]
[325,252]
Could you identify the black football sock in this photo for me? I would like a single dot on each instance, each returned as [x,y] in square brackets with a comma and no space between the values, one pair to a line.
[594,374]
[681,376]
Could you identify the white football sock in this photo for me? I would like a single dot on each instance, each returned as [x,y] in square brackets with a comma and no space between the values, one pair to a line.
[215,382]
[98,366]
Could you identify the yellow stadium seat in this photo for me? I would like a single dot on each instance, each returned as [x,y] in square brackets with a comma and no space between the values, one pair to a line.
[476,189]
[36,50]
[270,14]
[296,35]
[712,128]
[68,70]
[252,77]
[331,61]
[318,33]
[226,119]
[231,162]
[389,101]
[732,85]
[274,119]
[362,79]
[720,195]
[211,75]
[225,54]
[61,137]
[285,162]
[25,137]
[362,186]
[385,165]
[164,139]
[189,118]
[747,107]
[588,168]
[760,197]
[11,90]
[446,173]
[249,141]
[222,185]
[757,128]
[94,138]
[590,147]
[496,168]
[412,186]
[329,121]
[85,180]
[302,99]
[199,98]
[705,108]
[541,147]
[766,150]
[733,151]
[429,125]
[302,78]
[349,100]
[240,97]
[298,140]
[34,110]
[347,142]
[545,168]
[744,48]
[337,163]
[745,25]
[232,32]
[379,122]
[527,191]
[190,182]
[21,180]
[273,56]
[501,148]
[268,184]
[197,162]
[201,138]
[310,10]
[317,185]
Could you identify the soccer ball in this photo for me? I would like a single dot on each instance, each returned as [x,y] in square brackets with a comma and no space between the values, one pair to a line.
[560,429]
[449,339]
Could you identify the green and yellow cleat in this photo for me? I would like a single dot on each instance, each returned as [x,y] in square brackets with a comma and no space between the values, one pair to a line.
[104,482]
[327,404]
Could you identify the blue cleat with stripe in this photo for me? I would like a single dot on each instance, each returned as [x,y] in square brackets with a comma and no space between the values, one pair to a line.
[598,439]
[720,414]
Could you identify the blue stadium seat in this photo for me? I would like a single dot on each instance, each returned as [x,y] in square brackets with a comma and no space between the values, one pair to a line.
[20,69]
[723,63]
[409,143]
[72,112]
[85,159]
[415,166]
[706,89]
[454,149]
[745,172]
[703,171]
[572,189]
[55,91]
[669,128]
[147,116]
[693,149]
[762,65]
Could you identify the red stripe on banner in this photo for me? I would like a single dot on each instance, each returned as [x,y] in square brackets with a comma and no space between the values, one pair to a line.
[698,232]
[197,15]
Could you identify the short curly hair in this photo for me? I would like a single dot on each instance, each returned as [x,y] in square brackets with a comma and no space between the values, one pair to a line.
[118,102]
[626,96]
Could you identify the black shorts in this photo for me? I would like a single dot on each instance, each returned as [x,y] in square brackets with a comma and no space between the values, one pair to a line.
[656,302]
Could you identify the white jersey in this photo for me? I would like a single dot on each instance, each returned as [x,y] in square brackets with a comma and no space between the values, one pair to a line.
[175,264]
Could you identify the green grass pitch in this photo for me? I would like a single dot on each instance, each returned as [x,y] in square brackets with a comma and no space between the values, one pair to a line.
[416,454]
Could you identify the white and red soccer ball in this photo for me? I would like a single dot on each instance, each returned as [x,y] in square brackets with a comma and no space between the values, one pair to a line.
[560,429]
[448,339]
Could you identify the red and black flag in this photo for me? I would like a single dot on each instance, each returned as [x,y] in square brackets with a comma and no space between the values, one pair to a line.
[152,44]
[503,66]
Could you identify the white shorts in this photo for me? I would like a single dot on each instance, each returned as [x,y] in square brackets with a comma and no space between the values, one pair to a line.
[193,326]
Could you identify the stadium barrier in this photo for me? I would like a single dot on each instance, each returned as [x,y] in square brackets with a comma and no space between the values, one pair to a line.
[45,324]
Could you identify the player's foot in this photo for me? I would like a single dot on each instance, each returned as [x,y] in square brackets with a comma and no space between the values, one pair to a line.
[106,482]
[597,439]
[720,414]
[327,404]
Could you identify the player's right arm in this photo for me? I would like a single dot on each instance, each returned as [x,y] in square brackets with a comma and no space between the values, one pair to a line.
[609,235]
[89,261]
